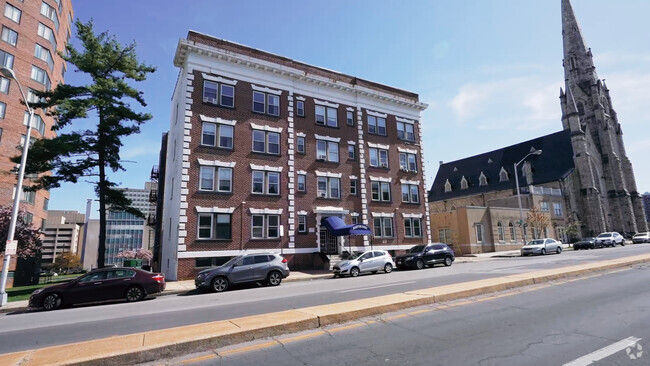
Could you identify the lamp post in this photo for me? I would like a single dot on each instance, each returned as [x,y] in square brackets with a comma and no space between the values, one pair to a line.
[8,73]
[521,211]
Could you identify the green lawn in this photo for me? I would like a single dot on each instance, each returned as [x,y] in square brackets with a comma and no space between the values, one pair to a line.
[23,292]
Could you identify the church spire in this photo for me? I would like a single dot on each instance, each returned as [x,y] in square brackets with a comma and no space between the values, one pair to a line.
[577,56]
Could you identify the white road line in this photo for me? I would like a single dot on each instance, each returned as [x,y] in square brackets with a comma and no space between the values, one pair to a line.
[604,352]
[372,287]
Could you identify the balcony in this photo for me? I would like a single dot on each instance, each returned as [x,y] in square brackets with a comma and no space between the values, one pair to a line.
[542,191]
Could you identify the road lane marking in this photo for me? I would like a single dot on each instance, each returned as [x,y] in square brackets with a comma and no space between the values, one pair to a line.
[604,352]
[249,348]
[198,359]
[373,287]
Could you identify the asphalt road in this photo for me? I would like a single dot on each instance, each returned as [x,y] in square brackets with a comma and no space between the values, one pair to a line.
[31,330]
[602,319]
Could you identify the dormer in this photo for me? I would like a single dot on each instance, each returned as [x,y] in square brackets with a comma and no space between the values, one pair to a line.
[463,183]
[482,180]
[447,186]
[503,175]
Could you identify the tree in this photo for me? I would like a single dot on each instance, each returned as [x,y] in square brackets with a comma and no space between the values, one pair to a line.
[65,261]
[92,150]
[572,230]
[29,238]
[537,220]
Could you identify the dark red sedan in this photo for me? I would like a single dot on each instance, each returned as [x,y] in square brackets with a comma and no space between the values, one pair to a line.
[130,284]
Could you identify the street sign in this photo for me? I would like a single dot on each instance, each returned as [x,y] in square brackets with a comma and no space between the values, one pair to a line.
[11,247]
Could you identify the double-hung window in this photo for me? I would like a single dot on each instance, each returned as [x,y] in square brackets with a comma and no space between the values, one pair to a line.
[380,191]
[47,33]
[300,108]
[265,226]
[300,144]
[354,187]
[408,162]
[218,135]
[6,59]
[326,116]
[3,109]
[410,193]
[214,226]
[215,179]
[9,35]
[544,206]
[329,187]
[327,150]
[4,85]
[376,125]
[412,227]
[12,13]
[37,122]
[266,103]
[265,182]
[50,13]
[352,153]
[302,183]
[40,76]
[266,142]
[302,223]
[44,54]
[378,157]
[405,131]
[218,93]
[557,208]
[350,118]
[383,227]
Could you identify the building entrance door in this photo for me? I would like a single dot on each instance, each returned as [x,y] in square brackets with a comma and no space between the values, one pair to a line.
[328,242]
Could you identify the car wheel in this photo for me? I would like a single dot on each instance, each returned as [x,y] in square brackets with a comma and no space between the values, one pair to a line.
[388,268]
[133,294]
[558,250]
[334,276]
[448,261]
[543,252]
[419,264]
[274,278]
[51,302]
[220,284]
[623,243]
[354,272]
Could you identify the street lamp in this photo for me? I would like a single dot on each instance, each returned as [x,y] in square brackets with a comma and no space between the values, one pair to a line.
[9,74]
[521,212]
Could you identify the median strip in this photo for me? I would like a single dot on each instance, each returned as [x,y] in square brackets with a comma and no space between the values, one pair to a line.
[167,343]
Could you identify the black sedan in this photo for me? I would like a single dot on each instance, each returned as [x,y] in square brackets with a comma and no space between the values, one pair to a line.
[587,243]
[104,284]
[426,255]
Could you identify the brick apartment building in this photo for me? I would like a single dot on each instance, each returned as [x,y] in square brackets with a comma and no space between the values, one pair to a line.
[261,148]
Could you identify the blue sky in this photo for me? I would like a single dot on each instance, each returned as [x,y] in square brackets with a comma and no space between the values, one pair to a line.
[490,70]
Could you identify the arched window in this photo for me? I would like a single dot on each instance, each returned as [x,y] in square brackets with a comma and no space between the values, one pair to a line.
[581,108]
[513,235]
[463,183]
[482,180]
[503,175]
[447,186]
[502,236]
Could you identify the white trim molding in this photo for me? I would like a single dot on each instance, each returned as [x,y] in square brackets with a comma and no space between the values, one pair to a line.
[265,211]
[301,172]
[412,215]
[330,210]
[218,79]
[266,168]
[328,174]
[303,212]
[266,128]
[222,121]
[354,214]
[222,164]
[383,214]
[405,120]
[222,210]
[302,99]
[403,150]
[325,103]
[414,182]
[380,179]
[378,146]
[350,142]
[349,109]
[266,90]
[354,177]
[233,253]
[327,138]
[301,134]
[376,114]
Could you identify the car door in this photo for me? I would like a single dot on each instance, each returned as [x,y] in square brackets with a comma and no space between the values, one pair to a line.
[379,259]
[428,255]
[86,289]
[243,271]
[116,283]
[551,246]
[261,266]
[438,253]
[366,262]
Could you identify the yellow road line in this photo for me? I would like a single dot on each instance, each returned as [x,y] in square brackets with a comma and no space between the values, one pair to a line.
[301,337]
[249,348]
[199,359]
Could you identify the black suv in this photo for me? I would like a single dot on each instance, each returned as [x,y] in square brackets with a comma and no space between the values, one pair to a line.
[426,255]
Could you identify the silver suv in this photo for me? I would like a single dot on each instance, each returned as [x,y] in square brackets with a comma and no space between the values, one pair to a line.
[610,239]
[370,261]
[267,268]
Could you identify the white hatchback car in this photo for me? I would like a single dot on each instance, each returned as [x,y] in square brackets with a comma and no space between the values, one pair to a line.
[610,239]
[370,261]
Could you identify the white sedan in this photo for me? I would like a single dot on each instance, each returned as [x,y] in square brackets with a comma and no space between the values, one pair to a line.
[541,246]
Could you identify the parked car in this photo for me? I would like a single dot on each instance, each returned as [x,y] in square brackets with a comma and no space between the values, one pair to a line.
[641,238]
[104,284]
[541,246]
[266,268]
[370,261]
[426,255]
[587,243]
[610,239]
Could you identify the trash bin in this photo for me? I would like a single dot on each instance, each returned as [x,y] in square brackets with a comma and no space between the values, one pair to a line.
[136,263]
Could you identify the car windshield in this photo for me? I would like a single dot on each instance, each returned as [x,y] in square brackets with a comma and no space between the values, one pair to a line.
[606,235]
[536,242]
[354,256]
[640,234]
[417,249]
[232,261]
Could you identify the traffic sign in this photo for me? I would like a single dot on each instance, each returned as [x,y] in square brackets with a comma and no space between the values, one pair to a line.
[11,247]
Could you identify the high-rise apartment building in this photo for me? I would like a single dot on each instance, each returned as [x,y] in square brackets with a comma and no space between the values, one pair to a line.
[63,232]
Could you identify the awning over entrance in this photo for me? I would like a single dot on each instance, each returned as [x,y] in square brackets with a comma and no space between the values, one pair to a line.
[336,226]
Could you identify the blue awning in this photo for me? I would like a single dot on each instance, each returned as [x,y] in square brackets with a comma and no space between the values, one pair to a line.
[337,227]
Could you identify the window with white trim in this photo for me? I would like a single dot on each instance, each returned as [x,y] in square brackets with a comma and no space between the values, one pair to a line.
[215,179]
[13,13]
[410,193]
[503,175]
[6,59]
[511,228]
[300,144]
[327,150]
[3,109]
[326,116]
[329,187]
[47,33]
[217,135]
[350,118]
[266,142]
[355,220]
[383,227]
[302,223]
[377,125]
[32,139]
[543,206]
[40,76]
[44,54]
[300,108]
[9,35]
[302,183]
[266,103]
[463,183]
[380,191]
[447,186]
[265,182]
[37,122]
[265,226]
[408,162]
[4,85]
[405,131]
[352,152]
[50,13]
[479,233]
[26,196]
[33,98]
[557,208]
[482,180]
[378,157]
[215,226]
[354,187]
[412,227]
[218,93]
[500,231]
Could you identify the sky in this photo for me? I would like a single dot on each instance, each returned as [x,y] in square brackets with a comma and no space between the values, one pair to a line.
[490,70]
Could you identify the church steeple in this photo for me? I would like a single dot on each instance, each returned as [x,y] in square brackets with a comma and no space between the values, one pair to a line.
[578,62]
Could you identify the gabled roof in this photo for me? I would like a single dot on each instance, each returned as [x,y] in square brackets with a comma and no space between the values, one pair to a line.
[555,163]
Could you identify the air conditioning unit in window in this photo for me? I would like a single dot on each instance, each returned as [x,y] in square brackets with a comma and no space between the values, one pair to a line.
[384,165]
[321,157]
[323,195]
[210,100]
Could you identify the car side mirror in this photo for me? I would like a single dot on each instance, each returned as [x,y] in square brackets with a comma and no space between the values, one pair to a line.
[360,260]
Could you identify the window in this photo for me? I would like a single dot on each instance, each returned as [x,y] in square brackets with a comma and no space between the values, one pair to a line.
[28,218]
[302,183]
[479,233]
[266,182]
[511,227]
[408,162]
[3,108]
[300,144]
[223,179]
[50,13]
[412,228]
[266,142]
[326,116]
[47,33]
[410,193]
[216,134]
[12,13]
[503,175]
[352,155]
[22,140]
[447,186]
[27,196]
[33,98]
[4,85]
[383,227]
[482,180]
[354,191]
[302,223]
[300,108]
[37,122]
[557,208]
[355,220]
[444,236]
[6,59]
[405,131]
[378,157]
[218,94]
[265,226]
[40,76]
[1,132]
[44,54]
[501,233]
[327,150]
[350,118]
[543,206]
[266,103]
[329,187]
[46,203]
[214,226]
[376,125]
[463,183]
[9,35]
[380,191]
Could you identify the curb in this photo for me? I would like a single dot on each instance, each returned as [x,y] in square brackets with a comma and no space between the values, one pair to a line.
[154,345]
